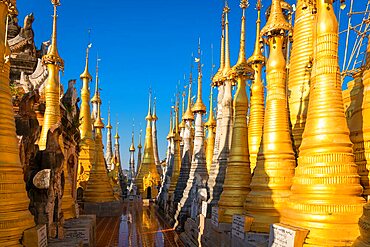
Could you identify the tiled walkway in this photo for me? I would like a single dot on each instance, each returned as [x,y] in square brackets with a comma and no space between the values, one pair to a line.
[137,226]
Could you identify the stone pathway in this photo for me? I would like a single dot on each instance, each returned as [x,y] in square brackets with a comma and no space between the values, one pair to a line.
[137,226]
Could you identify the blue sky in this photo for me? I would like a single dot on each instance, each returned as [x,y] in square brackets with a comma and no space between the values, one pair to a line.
[141,44]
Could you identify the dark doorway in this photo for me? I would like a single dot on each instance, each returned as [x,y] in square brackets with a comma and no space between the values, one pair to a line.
[149,193]
[80,194]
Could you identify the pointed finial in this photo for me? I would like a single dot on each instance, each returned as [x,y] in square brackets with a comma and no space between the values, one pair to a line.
[211,119]
[242,58]
[217,77]
[170,132]
[109,126]
[257,56]
[96,97]
[132,147]
[86,73]
[188,115]
[241,68]
[227,66]
[177,116]
[182,124]
[116,135]
[52,56]
[98,122]
[154,117]
[276,23]
[140,134]
[199,106]
[149,116]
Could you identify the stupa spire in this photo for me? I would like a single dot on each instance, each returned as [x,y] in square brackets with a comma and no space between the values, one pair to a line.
[257,104]
[139,154]
[238,175]
[54,64]
[96,98]
[216,78]
[188,115]
[87,148]
[132,156]
[199,105]
[211,129]
[227,66]
[109,150]
[182,123]
[149,117]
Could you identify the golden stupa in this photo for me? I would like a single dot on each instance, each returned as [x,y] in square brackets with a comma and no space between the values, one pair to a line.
[270,186]
[326,188]
[238,173]
[54,64]
[359,123]
[14,215]
[87,144]
[147,179]
[257,102]
[98,187]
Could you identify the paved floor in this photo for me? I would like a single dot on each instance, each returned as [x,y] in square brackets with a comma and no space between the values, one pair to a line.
[137,226]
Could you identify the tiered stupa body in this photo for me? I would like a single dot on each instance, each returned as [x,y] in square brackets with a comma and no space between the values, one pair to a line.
[224,124]
[300,67]
[108,148]
[163,193]
[98,188]
[198,175]
[87,144]
[187,119]
[359,123]
[238,172]
[326,188]
[270,186]
[176,163]
[257,104]
[147,179]
[216,82]
[52,115]
[364,224]
[14,215]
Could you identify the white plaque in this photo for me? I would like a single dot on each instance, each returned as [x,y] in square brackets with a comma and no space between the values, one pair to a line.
[42,237]
[79,233]
[281,236]
[204,208]
[214,217]
[237,228]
